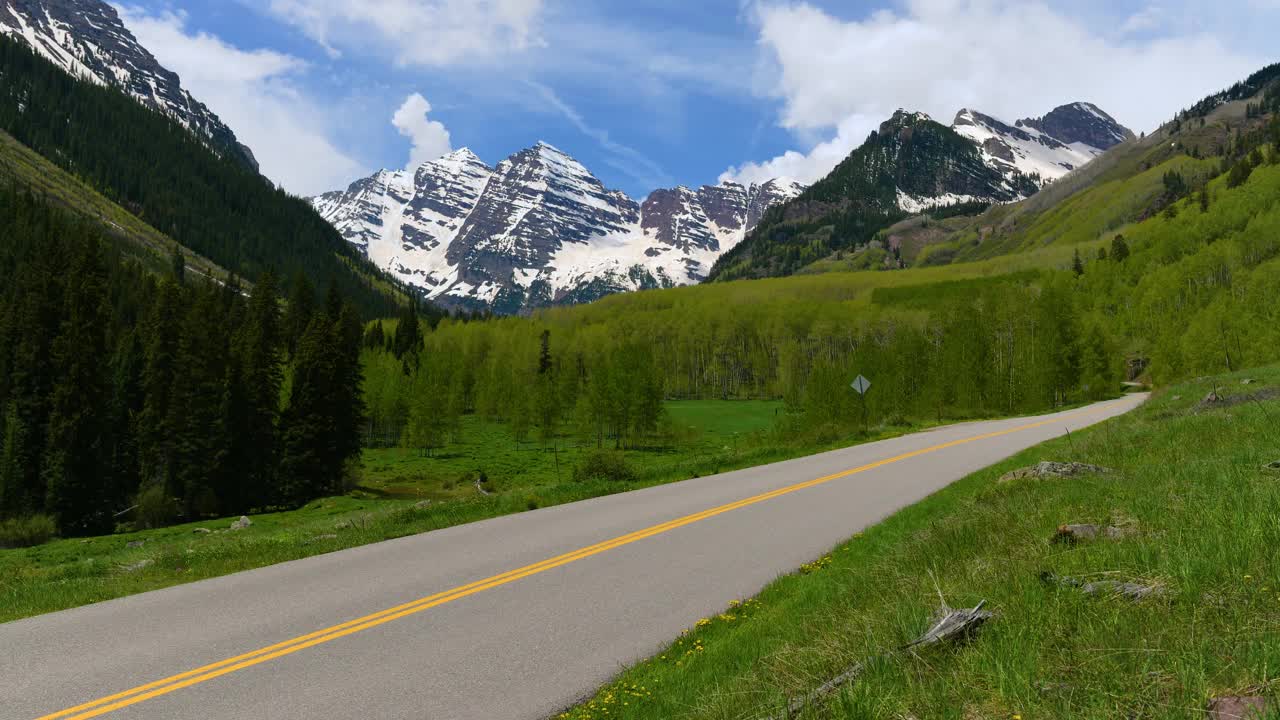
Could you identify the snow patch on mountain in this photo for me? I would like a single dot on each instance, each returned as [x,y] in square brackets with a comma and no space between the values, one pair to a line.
[87,39]
[539,229]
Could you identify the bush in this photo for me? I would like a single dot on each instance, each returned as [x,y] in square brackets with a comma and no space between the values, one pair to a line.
[154,507]
[604,465]
[27,531]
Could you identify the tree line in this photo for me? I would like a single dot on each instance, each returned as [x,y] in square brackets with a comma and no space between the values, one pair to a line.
[126,395]
[1190,290]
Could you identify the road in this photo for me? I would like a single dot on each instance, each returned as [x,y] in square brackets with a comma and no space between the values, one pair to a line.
[514,617]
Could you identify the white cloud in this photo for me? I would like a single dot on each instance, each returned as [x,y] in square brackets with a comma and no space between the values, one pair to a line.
[419,32]
[1148,18]
[839,79]
[430,138]
[255,94]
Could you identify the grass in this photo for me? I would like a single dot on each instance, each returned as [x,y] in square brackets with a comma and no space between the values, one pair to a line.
[1205,513]
[717,436]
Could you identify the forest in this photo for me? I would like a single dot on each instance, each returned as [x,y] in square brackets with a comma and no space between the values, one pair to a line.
[1190,290]
[130,397]
[159,171]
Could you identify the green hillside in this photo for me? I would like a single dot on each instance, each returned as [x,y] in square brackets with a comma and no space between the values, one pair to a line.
[154,168]
[909,152]
[20,167]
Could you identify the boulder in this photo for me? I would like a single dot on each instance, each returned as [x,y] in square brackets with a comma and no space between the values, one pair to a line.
[134,544]
[1048,468]
[1075,533]
[201,531]
[242,523]
[422,504]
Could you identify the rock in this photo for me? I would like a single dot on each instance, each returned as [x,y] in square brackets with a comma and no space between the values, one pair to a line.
[1213,398]
[1075,533]
[134,567]
[320,538]
[202,531]
[1248,381]
[1049,468]
[1237,707]
[1176,398]
[242,523]
[1131,590]
[1272,465]
[134,544]
[422,504]
[342,525]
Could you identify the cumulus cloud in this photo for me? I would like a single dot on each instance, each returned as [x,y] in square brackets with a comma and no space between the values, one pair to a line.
[417,32]
[256,95]
[430,138]
[838,79]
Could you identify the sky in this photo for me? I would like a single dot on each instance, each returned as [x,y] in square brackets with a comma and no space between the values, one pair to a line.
[658,93]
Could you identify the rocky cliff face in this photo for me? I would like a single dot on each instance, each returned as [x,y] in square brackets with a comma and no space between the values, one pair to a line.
[87,39]
[539,229]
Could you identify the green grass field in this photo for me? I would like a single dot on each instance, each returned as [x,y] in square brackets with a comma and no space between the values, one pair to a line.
[1189,483]
[716,436]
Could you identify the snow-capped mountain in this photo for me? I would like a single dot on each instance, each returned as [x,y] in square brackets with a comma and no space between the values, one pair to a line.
[911,164]
[538,229]
[1045,148]
[87,39]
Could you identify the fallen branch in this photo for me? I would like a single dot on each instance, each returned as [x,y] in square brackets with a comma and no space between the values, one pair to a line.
[950,625]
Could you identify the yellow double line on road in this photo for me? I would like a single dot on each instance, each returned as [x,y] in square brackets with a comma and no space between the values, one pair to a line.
[119,700]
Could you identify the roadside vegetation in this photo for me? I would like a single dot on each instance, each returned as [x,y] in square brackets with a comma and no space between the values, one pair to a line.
[1194,491]
[397,492]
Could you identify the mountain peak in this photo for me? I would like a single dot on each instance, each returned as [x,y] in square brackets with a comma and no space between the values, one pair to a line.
[87,39]
[1080,122]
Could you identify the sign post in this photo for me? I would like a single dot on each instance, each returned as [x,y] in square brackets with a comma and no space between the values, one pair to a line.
[861,385]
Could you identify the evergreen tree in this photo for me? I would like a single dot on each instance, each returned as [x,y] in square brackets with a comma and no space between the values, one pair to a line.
[253,401]
[408,337]
[1077,266]
[76,457]
[1119,249]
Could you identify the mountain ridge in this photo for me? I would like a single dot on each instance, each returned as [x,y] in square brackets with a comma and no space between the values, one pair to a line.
[538,228]
[87,39]
[912,163]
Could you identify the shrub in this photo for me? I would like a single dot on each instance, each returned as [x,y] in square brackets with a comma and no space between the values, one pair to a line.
[154,507]
[604,465]
[27,531]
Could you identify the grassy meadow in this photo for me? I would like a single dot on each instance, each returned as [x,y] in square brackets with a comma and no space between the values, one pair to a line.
[1201,517]
[387,502]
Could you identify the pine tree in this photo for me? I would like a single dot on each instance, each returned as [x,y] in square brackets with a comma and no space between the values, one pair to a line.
[408,336]
[253,400]
[155,432]
[1119,249]
[1077,266]
[76,457]
[297,316]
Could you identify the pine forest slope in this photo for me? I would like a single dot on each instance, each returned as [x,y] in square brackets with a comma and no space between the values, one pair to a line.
[156,169]
[20,167]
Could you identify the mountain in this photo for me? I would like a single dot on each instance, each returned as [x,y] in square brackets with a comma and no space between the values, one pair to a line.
[87,39]
[539,229]
[911,164]
[154,168]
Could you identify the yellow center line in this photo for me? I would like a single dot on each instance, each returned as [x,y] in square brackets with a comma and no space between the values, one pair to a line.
[205,673]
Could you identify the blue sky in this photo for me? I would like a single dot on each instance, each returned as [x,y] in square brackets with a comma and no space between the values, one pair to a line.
[665,92]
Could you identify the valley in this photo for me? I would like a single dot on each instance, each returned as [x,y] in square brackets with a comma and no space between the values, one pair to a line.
[455,377]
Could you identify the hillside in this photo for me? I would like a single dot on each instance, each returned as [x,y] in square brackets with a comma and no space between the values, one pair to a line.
[152,166]
[1190,491]
[20,167]
[913,164]
[1132,181]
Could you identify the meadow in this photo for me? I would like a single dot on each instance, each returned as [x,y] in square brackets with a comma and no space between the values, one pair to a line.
[397,492]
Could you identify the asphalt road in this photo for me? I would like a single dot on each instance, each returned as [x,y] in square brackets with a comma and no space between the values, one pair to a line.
[597,584]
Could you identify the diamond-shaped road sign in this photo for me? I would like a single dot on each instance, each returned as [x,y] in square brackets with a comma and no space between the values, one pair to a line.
[861,384]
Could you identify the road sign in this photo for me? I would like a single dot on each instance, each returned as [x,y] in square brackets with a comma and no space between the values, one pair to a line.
[861,384]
